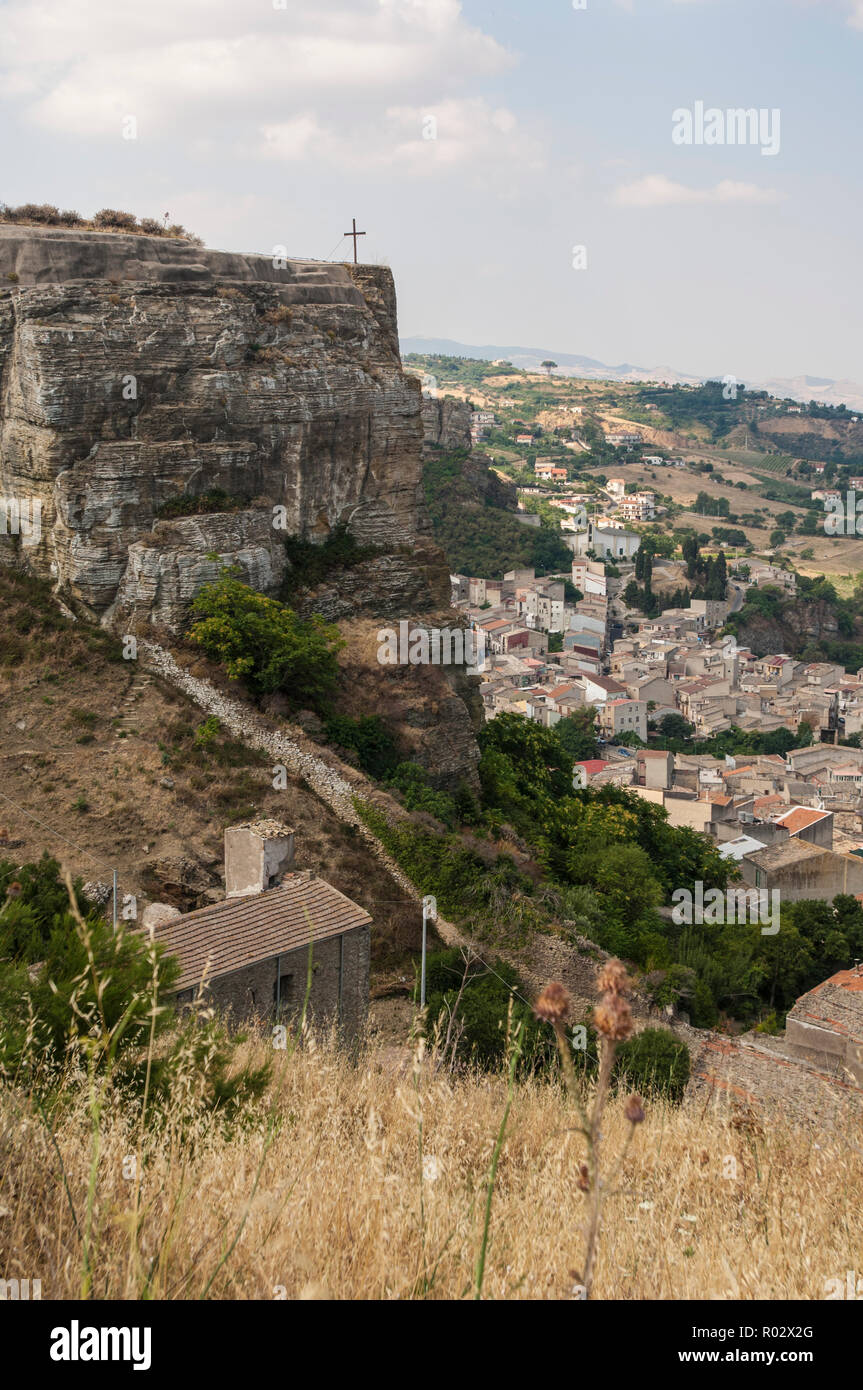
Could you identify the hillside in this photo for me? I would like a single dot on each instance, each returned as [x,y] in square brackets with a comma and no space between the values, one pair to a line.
[107,767]
[755,457]
[799,388]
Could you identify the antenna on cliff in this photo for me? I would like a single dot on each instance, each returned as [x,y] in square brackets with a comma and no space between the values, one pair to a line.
[354,233]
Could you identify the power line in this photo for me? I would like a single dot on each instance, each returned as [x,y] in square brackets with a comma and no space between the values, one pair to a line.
[45,826]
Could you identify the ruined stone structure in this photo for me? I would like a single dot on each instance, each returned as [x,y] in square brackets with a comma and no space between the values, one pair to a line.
[826,1025]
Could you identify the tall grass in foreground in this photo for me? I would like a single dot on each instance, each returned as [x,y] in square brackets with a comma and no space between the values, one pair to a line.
[330,1193]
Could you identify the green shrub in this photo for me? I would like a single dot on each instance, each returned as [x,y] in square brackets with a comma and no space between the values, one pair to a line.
[207,732]
[310,563]
[483,1010]
[38,900]
[412,781]
[704,1013]
[369,738]
[654,1060]
[265,644]
[204,504]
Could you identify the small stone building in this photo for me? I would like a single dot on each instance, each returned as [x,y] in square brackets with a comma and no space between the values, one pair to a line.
[825,1026]
[252,950]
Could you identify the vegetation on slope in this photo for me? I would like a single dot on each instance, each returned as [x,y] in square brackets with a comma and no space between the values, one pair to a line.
[263,643]
[478,538]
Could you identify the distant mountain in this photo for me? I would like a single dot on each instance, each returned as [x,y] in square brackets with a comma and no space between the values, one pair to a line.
[798,388]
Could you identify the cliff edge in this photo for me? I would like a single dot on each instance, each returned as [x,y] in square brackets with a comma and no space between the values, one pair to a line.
[139,375]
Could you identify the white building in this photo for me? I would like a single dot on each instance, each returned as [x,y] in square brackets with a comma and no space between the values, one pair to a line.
[588,576]
[616,544]
[639,506]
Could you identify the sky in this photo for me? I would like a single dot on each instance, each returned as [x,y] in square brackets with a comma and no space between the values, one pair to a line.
[524,166]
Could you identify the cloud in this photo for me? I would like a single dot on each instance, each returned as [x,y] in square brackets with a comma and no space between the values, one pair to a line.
[339,79]
[655,190]
[412,140]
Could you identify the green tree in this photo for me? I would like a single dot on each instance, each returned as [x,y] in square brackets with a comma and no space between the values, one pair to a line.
[263,643]
[577,734]
[674,726]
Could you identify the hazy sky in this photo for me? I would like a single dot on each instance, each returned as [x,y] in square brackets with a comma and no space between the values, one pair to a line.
[267,122]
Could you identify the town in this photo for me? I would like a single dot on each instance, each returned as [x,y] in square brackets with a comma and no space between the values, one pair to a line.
[674,666]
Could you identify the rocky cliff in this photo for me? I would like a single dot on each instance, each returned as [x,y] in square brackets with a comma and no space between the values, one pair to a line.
[446,422]
[138,373]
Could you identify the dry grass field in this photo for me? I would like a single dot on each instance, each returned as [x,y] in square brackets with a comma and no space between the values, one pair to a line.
[361,1180]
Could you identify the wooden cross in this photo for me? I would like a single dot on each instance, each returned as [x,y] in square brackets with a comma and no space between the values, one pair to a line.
[354,234]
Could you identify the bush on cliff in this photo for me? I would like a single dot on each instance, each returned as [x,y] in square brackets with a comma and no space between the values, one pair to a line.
[263,643]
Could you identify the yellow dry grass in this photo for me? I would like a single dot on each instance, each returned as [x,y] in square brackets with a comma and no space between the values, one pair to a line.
[373,1185]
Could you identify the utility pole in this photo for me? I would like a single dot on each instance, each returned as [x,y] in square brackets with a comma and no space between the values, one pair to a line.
[354,233]
[429,915]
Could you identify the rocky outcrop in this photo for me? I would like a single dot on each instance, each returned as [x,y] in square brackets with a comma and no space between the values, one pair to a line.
[446,422]
[797,624]
[137,372]
[489,487]
[387,587]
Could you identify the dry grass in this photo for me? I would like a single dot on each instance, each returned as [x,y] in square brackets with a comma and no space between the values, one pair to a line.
[370,1183]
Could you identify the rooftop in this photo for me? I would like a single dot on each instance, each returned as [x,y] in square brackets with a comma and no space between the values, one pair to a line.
[837,1002]
[785,852]
[226,937]
[799,817]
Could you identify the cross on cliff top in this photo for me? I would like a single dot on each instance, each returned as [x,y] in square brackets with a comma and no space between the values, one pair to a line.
[354,233]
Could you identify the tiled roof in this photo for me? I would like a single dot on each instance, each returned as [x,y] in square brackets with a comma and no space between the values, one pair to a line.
[228,936]
[785,852]
[799,817]
[609,686]
[837,1002]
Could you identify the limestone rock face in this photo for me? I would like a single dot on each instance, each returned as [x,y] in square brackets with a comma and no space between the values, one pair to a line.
[137,371]
[446,422]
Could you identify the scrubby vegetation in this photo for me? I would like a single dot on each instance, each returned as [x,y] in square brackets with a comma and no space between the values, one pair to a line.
[203,503]
[106,220]
[310,563]
[33,623]
[471,1005]
[77,995]
[480,538]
